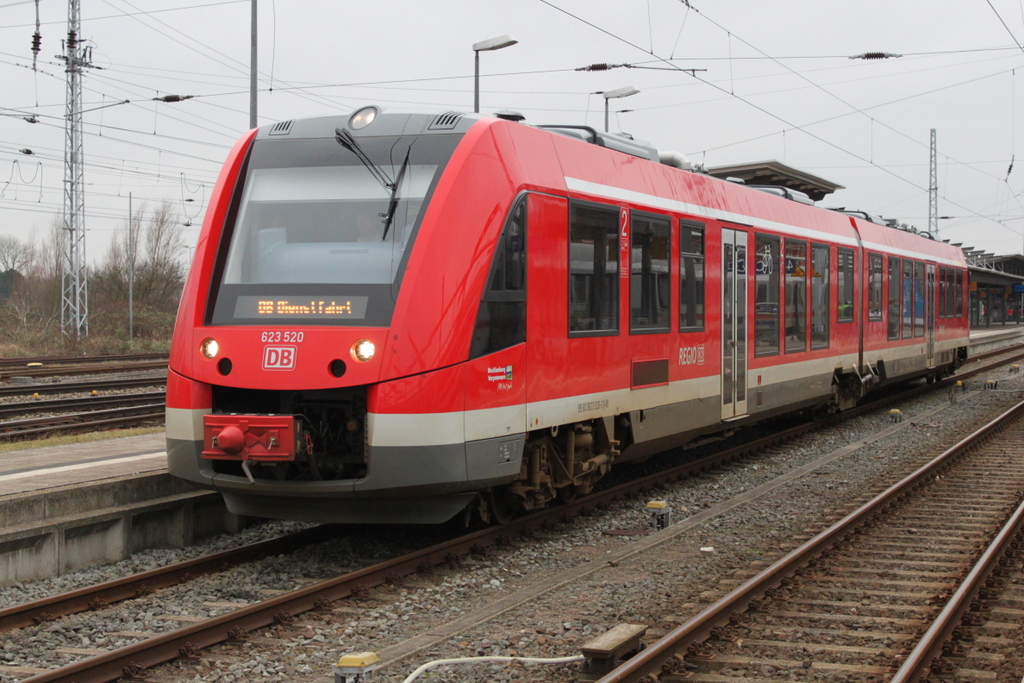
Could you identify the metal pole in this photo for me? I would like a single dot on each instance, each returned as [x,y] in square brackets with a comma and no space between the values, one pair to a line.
[476,81]
[252,71]
[933,191]
[606,115]
[131,270]
[75,289]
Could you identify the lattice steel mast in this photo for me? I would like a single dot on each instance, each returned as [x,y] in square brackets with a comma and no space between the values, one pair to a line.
[933,192]
[74,312]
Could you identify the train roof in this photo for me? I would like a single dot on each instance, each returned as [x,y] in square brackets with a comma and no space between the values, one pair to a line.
[586,169]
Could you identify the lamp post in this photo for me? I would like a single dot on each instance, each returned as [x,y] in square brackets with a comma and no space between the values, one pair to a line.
[615,94]
[485,46]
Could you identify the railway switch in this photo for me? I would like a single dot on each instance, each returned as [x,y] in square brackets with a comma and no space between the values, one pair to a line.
[356,668]
[660,514]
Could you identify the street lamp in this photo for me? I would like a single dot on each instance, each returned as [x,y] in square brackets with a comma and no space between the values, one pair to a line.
[615,94]
[485,46]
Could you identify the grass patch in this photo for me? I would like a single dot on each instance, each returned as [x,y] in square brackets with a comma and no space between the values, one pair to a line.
[69,439]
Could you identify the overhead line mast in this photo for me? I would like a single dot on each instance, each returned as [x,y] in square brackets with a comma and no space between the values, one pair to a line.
[933,191]
[74,312]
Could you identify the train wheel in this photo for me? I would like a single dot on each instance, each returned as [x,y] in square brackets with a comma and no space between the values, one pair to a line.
[502,508]
[567,494]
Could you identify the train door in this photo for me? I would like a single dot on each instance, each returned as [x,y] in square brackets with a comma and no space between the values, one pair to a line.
[734,323]
[929,314]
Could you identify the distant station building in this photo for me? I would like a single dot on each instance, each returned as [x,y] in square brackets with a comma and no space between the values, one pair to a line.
[997,288]
[778,175]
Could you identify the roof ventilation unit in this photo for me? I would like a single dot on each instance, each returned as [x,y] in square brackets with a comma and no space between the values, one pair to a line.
[793,195]
[446,121]
[281,128]
[617,142]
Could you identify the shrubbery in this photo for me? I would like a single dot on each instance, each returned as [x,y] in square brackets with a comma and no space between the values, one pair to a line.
[30,290]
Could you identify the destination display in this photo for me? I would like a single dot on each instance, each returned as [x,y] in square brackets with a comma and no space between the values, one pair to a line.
[300,308]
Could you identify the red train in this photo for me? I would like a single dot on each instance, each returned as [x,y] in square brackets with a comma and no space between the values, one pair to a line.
[395,317]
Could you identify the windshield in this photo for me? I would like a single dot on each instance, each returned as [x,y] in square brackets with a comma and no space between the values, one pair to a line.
[308,243]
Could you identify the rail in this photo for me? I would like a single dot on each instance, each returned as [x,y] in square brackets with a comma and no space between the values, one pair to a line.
[667,655]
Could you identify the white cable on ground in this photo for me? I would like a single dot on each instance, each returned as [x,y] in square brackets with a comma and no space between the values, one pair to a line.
[474,660]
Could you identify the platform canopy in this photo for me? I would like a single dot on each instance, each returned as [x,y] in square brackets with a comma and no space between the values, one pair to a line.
[779,175]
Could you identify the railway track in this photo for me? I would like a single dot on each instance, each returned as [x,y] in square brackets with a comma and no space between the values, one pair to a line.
[236,624]
[853,600]
[82,369]
[78,404]
[82,386]
[109,418]
[20,363]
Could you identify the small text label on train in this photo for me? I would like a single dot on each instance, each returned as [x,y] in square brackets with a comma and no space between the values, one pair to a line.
[588,406]
[691,355]
[279,357]
[286,336]
[500,374]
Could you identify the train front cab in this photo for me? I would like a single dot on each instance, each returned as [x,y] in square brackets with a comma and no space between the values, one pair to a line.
[407,459]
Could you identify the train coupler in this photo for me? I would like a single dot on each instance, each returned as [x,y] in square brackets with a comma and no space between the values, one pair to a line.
[253,438]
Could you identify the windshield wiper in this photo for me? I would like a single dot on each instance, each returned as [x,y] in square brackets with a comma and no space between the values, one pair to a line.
[393,201]
[346,140]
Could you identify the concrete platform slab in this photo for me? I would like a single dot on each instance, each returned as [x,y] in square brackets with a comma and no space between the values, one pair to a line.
[73,506]
[995,338]
[34,469]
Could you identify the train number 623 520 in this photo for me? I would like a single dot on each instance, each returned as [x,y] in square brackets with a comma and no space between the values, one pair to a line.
[282,336]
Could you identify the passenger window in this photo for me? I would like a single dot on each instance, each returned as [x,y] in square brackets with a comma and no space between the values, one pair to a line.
[951,311]
[918,299]
[942,291]
[819,296]
[501,318]
[650,281]
[766,303]
[691,276]
[847,270]
[593,270]
[895,287]
[959,293]
[796,296]
[908,299]
[874,287]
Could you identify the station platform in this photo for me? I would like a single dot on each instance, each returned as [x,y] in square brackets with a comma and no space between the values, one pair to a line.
[994,338]
[77,505]
[35,469]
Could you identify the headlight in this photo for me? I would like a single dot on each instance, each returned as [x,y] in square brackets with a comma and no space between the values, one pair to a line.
[363,350]
[209,348]
[362,118]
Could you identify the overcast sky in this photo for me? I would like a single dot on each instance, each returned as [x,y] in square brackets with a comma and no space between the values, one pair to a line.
[773,80]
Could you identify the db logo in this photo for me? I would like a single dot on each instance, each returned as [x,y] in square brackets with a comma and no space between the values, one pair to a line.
[279,357]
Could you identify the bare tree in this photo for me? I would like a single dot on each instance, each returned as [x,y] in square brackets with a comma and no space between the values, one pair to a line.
[14,254]
[33,307]
[149,246]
